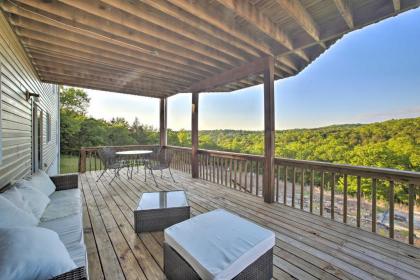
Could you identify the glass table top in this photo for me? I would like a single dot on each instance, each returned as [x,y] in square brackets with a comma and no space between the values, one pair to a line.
[161,200]
[134,152]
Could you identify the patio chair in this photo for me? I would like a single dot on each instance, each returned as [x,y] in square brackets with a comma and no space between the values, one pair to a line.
[111,162]
[158,161]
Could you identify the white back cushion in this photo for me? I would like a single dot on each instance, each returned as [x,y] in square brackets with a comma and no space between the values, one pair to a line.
[14,196]
[11,216]
[37,201]
[32,253]
[42,182]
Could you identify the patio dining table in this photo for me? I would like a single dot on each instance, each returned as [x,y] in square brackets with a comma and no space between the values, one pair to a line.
[134,158]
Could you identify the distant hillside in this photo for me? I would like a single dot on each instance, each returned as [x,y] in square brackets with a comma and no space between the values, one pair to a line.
[392,144]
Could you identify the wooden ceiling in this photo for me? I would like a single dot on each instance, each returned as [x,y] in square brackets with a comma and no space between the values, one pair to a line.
[160,48]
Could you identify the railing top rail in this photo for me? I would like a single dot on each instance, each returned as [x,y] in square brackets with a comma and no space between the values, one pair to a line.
[91,149]
[231,155]
[410,177]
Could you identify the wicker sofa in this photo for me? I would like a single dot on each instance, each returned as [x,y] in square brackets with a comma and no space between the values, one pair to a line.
[63,215]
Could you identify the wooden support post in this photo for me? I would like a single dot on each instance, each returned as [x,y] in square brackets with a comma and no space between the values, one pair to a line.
[82,161]
[163,122]
[269,131]
[194,135]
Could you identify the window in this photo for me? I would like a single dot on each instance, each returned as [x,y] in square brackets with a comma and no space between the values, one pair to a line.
[48,127]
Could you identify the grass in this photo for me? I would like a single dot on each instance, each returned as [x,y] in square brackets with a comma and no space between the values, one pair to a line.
[69,164]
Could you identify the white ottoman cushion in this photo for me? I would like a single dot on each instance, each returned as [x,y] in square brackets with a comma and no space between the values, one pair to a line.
[219,244]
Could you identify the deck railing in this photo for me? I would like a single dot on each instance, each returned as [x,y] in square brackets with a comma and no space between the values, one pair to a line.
[364,197]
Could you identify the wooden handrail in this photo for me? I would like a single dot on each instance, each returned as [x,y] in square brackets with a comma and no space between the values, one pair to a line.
[409,177]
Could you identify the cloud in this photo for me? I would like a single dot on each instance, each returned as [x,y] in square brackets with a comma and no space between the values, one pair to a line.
[407,112]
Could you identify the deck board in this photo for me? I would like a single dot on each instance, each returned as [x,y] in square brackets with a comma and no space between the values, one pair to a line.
[307,246]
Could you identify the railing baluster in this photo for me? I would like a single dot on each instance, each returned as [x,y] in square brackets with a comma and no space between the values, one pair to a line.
[293,186]
[217,170]
[235,177]
[332,195]
[311,192]
[240,162]
[277,182]
[391,209]
[345,190]
[246,175]
[358,195]
[374,181]
[302,187]
[230,172]
[226,171]
[257,179]
[321,195]
[251,177]
[411,200]
[90,161]
[285,186]
[213,169]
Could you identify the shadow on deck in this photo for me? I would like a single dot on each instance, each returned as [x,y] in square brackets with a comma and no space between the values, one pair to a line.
[307,246]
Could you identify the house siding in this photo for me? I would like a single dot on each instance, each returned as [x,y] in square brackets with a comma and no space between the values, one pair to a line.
[18,76]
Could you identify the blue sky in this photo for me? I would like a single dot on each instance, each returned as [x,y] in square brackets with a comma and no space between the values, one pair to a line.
[369,75]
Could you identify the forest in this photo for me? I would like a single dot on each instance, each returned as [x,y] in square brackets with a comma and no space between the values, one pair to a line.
[392,144]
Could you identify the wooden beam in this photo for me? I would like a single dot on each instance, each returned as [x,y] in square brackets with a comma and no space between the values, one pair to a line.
[194,135]
[163,122]
[254,16]
[397,5]
[344,8]
[232,75]
[295,9]
[269,133]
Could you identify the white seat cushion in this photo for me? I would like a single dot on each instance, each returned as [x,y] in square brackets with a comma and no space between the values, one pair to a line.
[11,216]
[15,196]
[70,231]
[62,204]
[42,182]
[37,200]
[32,253]
[219,244]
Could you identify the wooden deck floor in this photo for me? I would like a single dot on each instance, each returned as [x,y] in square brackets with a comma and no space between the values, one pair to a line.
[307,246]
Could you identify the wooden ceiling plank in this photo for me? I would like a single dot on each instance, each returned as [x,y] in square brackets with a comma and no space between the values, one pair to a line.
[232,75]
[129,32]
[32,39]
[295,9]
[157,32]
[99,79]
[51,56]
[78,67]
[145,13]
[181,15]
[344,8]
[58,34]
[57,79]
[25,14]
[397,5]
[252,15]
[198,10]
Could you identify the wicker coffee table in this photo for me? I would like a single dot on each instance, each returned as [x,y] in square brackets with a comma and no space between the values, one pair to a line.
[159,210]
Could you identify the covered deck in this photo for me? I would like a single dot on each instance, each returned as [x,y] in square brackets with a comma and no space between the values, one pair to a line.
[307,246]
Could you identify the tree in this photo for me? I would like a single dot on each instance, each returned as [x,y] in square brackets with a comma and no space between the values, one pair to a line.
[74,100]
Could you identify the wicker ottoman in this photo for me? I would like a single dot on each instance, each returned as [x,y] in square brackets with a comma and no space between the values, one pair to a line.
[218,245]
[159,210]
